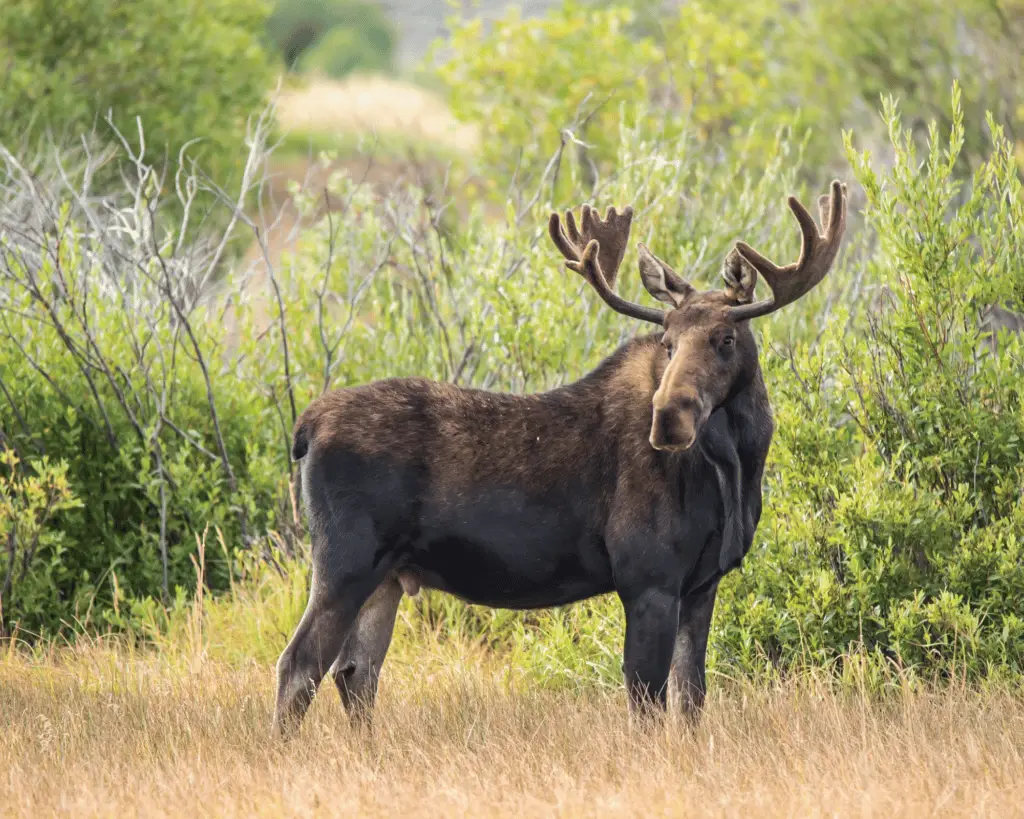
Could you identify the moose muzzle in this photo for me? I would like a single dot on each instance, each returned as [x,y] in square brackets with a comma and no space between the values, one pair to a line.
[677,421]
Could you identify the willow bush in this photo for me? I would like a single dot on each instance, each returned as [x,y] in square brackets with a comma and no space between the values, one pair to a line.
[892,521]
[170,395]
[713,69]
[190,72]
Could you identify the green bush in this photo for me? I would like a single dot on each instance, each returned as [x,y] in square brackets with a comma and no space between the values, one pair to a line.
[186,70]
[914,50]
[30,495]
[714,69]
[325,31]
[705,73]
[894,519]
[171,419]
[342,51]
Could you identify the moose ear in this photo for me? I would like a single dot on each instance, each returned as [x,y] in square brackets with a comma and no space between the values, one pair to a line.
[662,281]
[740,278]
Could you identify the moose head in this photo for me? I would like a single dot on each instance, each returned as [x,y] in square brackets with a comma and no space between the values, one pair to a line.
[710,350]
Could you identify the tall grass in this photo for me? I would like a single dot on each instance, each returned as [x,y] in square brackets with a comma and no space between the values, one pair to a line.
[102,729]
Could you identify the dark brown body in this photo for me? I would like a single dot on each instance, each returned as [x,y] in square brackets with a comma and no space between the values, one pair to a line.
[526,502]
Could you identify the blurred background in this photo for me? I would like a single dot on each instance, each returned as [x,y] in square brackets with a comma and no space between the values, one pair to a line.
[213,210]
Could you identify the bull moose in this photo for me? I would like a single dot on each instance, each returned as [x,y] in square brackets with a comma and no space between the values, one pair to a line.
[643,478]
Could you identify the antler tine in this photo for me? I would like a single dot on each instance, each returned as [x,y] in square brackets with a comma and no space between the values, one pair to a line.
[817,253]
[557,234]
[599,247]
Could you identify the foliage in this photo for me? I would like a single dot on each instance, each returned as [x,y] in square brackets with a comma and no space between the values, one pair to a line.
[892,532]
[722,66]
[109,361]
[522,105]
[892,543]
[184,70]
[704,71]
[335,37]
[914,51]
[30,495]
[174,412]
[342,51]
[894,518]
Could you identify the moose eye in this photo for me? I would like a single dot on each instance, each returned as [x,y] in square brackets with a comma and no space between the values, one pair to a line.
[669,350]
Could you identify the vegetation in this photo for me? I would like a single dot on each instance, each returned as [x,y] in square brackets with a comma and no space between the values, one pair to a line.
[334,37]
[718,67]
[867,658]
[878,534]
[189,73]
[342,51]
[143,405]
[897,470]
[458,734]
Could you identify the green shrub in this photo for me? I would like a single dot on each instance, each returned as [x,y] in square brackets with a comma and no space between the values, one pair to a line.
[358,28]
[704,72]
[914,51]
[31,554]
[714,69]
[894,520]
[342,51]
[893,532]
[184,69]
[521,104]
[171,419]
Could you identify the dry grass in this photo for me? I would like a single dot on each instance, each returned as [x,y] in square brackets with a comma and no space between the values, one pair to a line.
[371,104]
[104,732]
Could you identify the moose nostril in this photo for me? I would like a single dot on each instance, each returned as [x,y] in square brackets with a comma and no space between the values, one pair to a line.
[659,433]
[673,430]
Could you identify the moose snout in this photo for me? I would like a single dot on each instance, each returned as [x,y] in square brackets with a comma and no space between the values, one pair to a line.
[676,422]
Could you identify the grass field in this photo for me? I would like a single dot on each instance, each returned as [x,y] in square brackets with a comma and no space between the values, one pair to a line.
[101,730]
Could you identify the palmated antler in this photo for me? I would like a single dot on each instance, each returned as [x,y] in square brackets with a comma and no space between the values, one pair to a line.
[595,252]
[817,253]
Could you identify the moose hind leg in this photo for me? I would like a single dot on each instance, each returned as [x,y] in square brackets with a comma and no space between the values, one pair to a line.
[302,666]
[652,618]
[358,667]
[343,578]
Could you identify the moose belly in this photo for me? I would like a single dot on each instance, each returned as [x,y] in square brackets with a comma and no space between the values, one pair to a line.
[510,551]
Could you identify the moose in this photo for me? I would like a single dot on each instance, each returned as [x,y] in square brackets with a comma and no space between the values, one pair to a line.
[643,478]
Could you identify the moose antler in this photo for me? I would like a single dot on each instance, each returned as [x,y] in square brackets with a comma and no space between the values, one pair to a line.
[596,252]
[817,253]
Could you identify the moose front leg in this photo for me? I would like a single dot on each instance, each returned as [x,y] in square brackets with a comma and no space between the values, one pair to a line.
[652,617]
[688,681]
